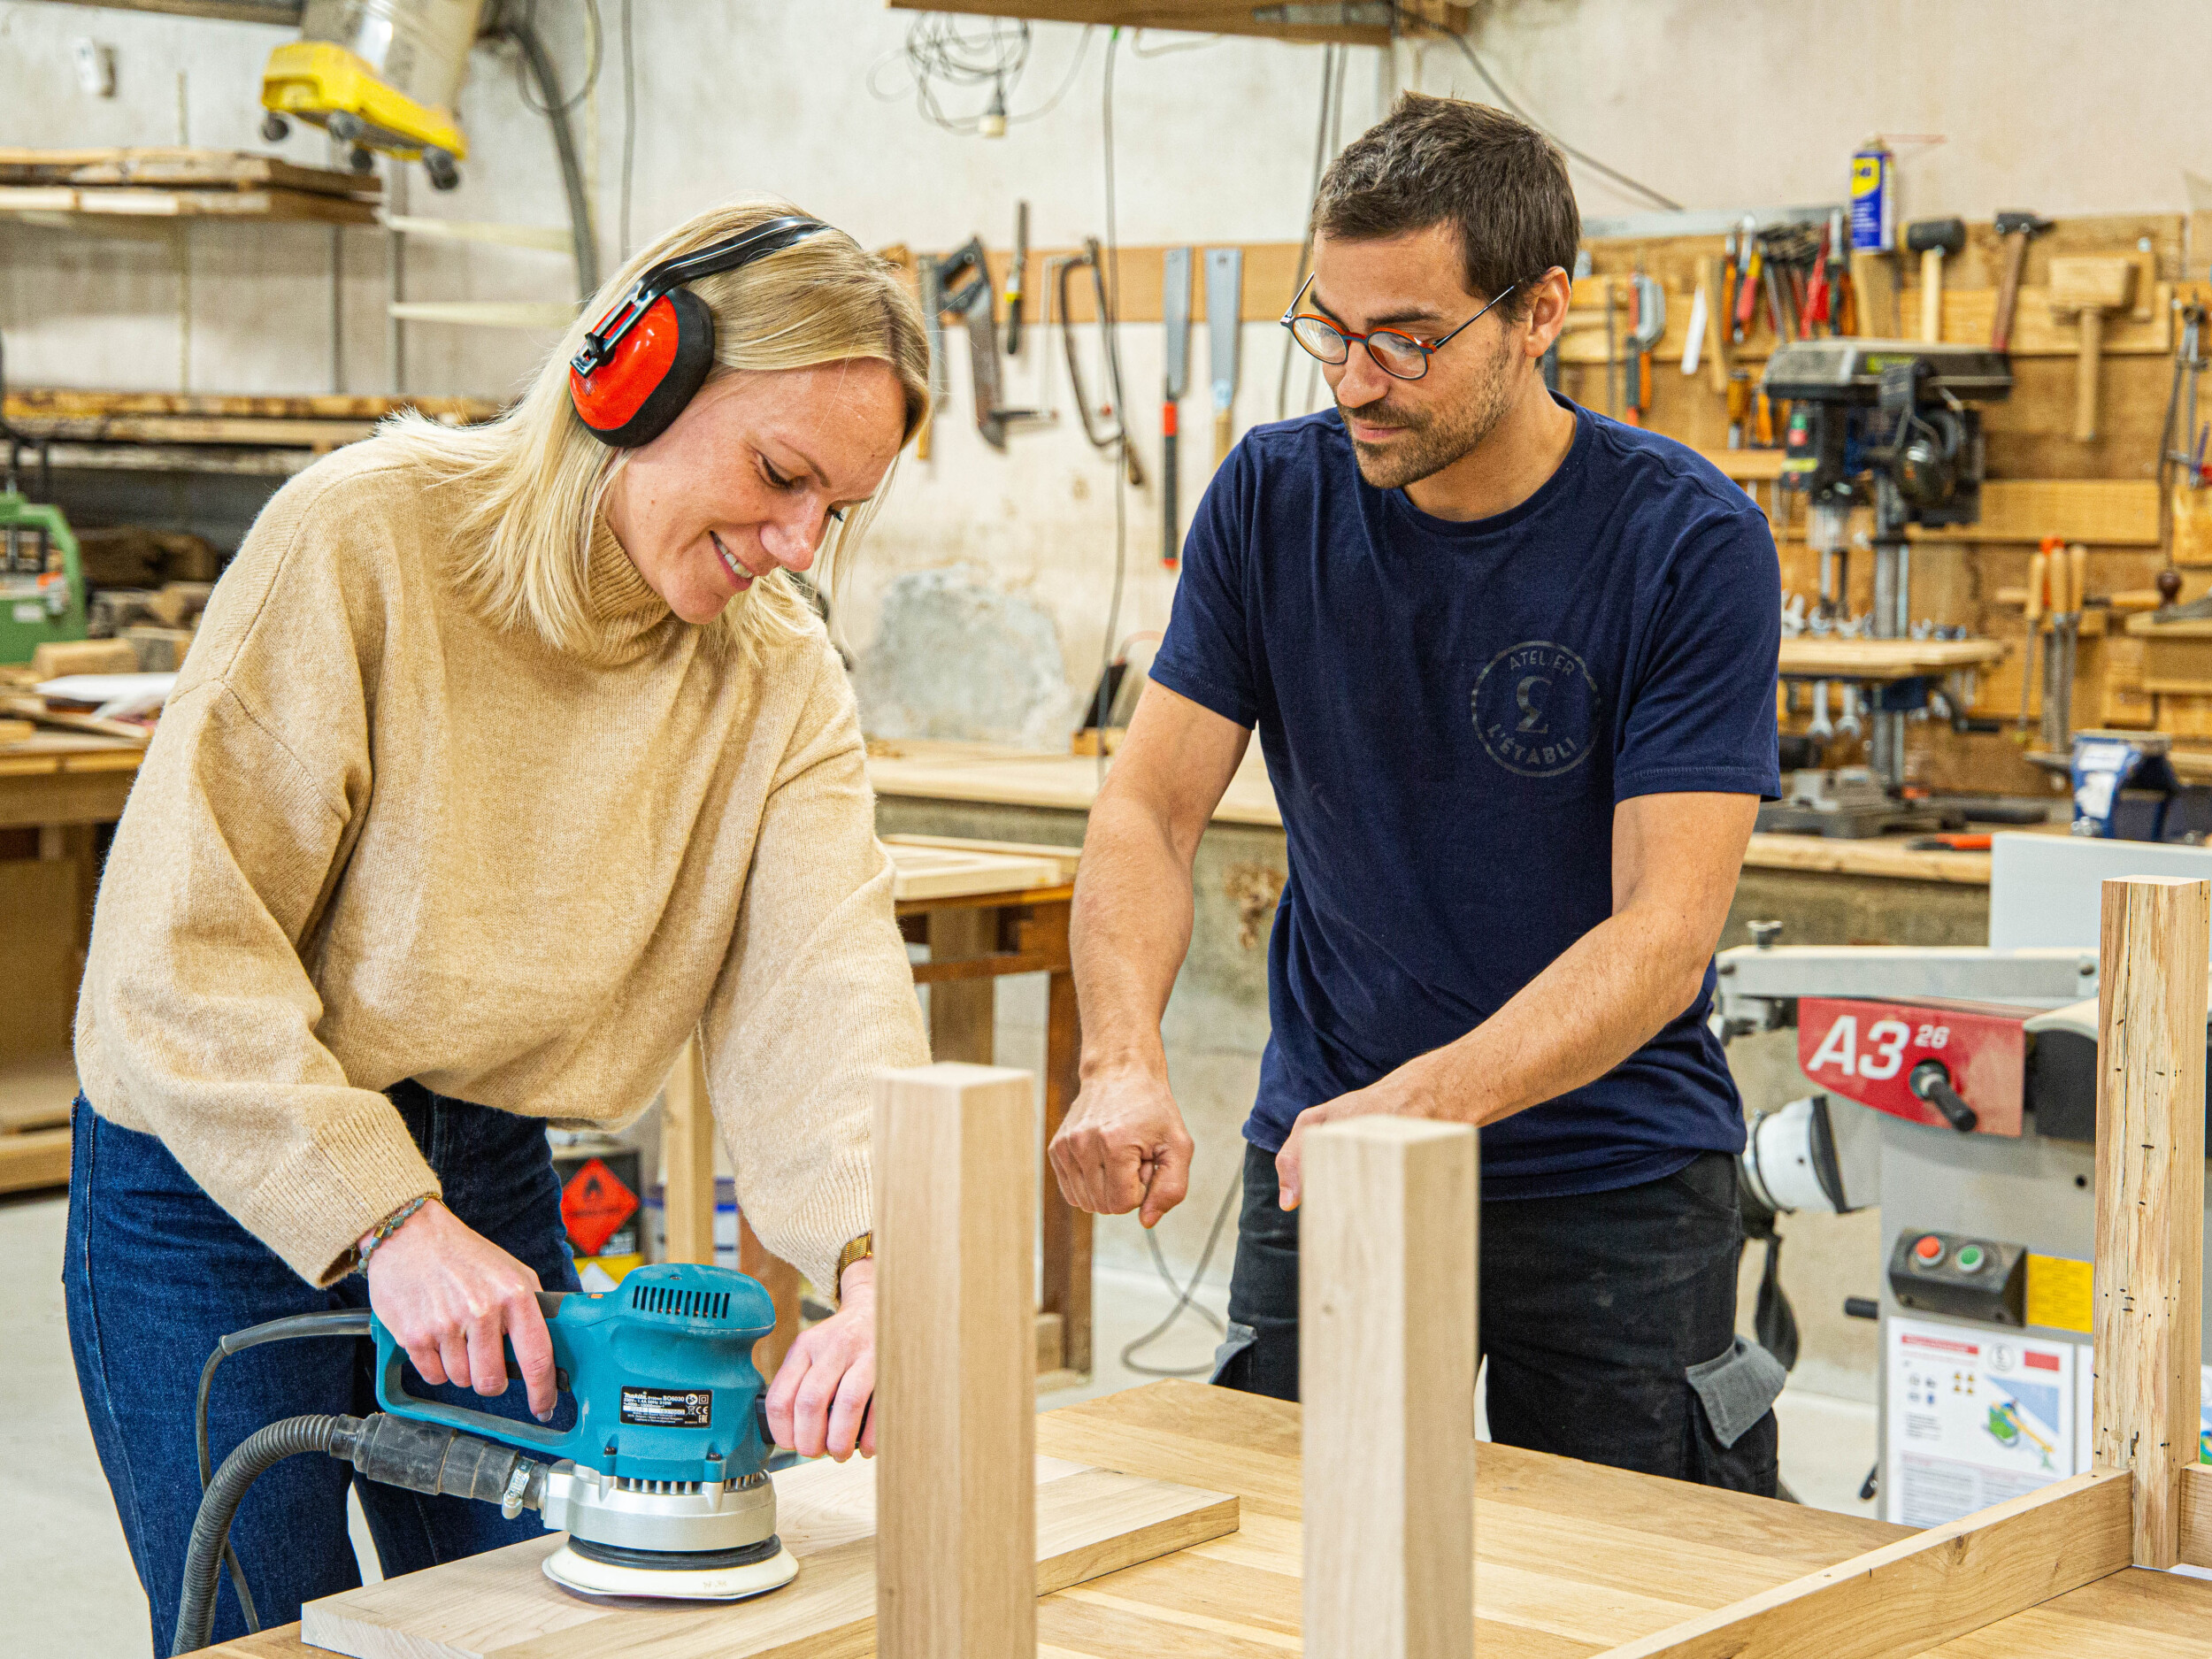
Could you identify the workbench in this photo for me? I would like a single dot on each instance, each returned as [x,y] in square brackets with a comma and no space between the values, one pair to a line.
[56,789]
[1571,1558]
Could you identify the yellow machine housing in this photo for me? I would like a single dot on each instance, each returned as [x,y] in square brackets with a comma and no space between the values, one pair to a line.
[312,80]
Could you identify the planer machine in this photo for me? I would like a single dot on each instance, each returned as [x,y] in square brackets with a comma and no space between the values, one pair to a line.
[1956,1091]
[660,1479]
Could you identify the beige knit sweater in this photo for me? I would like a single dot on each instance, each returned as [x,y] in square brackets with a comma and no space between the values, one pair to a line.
[376,839]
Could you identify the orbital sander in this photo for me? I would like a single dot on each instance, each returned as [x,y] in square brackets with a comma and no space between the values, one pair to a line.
[661,1482]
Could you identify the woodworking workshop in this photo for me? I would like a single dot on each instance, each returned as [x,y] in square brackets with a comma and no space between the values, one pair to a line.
[706,951]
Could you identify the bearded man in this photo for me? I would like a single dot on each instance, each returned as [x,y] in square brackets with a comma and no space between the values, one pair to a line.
[1512,664]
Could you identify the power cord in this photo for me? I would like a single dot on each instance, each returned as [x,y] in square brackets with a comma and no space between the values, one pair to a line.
[551,91]
[1506,101]
[1108,340]
[1331,59]
[1184,1293]
[947,51]
[629,127]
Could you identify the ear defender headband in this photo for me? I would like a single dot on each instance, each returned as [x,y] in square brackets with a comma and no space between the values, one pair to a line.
[646,359]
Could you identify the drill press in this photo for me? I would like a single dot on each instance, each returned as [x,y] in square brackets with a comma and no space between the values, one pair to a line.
[1884,424]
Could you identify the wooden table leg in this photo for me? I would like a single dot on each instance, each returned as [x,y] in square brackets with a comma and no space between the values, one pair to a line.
[955,1481]
[960,1011]
[1066,1288]
[687,1147]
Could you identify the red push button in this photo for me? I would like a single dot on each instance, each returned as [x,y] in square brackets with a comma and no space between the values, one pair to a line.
[1928,1249]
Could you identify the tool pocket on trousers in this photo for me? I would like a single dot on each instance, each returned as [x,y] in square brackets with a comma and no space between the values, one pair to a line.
[1233,1360]
[1737,1388]
[1736,1446]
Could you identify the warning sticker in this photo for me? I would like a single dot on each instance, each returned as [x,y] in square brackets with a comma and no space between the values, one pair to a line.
[593,1205]
[669,1408]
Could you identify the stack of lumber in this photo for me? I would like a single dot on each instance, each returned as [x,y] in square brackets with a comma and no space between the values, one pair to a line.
[178,183]
[312,423]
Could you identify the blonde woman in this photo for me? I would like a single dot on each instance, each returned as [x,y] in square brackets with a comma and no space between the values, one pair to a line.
[504,759]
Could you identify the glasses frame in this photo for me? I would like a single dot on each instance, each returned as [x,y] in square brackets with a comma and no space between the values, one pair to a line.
[1426,347]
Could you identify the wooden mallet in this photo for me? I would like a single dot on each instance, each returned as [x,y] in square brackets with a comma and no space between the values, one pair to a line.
[2085,287]
[1931,239]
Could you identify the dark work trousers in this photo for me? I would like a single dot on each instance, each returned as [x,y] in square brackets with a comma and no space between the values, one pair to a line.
[155,1272]
[1608,1320]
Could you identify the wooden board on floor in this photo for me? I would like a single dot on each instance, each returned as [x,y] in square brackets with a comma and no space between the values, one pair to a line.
[1090,1522]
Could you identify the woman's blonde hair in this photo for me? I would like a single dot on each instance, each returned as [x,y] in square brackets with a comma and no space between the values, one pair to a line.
[532,480]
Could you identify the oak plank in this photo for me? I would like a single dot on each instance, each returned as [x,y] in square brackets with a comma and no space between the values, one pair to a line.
[1386,1370]
[1906,1597]
[955,1357]
[2155,936]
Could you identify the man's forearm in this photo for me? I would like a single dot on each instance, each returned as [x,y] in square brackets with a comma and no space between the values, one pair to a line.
[1129,933]
[1604,997]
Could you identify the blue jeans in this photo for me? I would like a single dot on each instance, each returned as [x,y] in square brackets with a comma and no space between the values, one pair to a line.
[155,1272]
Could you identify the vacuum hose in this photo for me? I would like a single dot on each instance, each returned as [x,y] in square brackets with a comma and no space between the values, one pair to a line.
[397,1451]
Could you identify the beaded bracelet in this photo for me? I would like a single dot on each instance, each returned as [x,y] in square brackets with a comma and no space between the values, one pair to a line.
[384,1229]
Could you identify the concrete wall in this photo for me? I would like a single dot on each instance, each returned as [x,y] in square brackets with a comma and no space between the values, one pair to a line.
[1714,102]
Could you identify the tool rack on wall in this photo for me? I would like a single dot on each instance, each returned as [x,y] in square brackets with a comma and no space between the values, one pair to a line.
[2044,482]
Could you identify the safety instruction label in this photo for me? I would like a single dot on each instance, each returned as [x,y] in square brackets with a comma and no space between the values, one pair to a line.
[669,1408]
[1973,1418]
[2059,1293]
[594,1203]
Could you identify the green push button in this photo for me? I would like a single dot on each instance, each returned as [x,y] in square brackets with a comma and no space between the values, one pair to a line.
[1970,1258]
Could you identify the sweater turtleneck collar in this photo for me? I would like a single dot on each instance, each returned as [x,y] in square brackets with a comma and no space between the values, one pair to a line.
[627,613]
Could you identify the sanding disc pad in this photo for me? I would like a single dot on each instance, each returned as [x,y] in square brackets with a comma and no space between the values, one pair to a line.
[573,1571]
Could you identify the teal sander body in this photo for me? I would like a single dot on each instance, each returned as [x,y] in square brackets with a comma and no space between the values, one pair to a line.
[661,1482]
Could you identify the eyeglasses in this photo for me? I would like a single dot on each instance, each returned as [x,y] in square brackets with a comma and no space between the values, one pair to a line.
[1398,355]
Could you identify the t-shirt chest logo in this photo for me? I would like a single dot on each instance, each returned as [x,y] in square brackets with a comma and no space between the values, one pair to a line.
[1536,709]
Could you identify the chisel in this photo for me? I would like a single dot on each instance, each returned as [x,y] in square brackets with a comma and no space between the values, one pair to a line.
[1016,270]
[1224,313]
[1175,296]
[2039,571]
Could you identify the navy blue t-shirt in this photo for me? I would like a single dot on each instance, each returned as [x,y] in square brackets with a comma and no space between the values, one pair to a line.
[1450,713]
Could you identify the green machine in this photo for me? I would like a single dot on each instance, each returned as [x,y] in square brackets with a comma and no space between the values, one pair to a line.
[42,577]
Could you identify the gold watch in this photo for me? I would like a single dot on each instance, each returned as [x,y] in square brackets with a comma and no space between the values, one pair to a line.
[861,1249]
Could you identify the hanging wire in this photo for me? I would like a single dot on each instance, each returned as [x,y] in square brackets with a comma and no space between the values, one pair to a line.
[591,71]
[1329,73]
[943,54]
[1112,276]
[629,126]
[1506,101]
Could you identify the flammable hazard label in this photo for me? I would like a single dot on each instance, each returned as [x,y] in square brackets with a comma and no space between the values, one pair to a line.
[593,1204]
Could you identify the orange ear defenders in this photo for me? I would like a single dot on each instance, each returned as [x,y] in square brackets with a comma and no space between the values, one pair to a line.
[646,359]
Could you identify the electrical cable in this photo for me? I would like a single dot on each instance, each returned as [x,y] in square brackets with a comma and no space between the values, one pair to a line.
[541,66]
[944,50]
[1506,100]
[1184,1294]
[591,70]
[1329,55]
[629,128]
[1108,329]
[346,1322]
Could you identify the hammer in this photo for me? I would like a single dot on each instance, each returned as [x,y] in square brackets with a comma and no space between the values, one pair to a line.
[2086,287]
[1931,239]
[2013,229]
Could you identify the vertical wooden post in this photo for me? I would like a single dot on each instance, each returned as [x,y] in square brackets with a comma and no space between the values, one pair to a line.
[1065,1231]
[2150,1194]
[687,1148]
[962,1023]
[956,1359]
[1386,1368]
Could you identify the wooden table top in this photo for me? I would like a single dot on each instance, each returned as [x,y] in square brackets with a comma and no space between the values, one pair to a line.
[1010,777]
[1571,1559]
[994,775]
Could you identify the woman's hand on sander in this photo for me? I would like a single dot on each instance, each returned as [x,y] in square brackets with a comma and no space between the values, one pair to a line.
[822,1398]
[449,1295]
